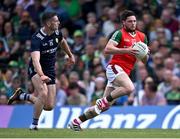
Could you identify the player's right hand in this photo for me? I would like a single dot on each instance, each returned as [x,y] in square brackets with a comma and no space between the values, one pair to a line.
[131,51]
[45,79]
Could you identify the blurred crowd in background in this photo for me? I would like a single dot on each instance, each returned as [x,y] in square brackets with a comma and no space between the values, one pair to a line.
[87,25]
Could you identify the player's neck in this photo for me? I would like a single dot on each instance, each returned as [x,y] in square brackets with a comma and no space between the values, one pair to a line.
[47,31]
[130,31]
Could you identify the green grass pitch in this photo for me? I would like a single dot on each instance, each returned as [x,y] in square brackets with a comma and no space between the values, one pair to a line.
[89,133]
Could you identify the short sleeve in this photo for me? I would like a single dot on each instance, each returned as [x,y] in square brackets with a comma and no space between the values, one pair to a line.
[145,40]
[35,44]
[117,36]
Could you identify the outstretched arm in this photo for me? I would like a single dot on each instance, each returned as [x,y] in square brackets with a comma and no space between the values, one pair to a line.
[112,49]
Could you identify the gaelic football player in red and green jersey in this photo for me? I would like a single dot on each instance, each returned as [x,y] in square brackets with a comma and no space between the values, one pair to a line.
[118,69]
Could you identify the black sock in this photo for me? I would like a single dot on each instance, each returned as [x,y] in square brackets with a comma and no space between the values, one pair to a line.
[109,98]
[83,118]
[35,121]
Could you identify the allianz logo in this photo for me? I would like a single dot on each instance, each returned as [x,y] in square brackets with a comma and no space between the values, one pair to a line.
[172,119]
[61,117]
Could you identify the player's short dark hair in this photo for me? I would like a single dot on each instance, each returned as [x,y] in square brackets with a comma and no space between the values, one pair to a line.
[126,14]
[47,16]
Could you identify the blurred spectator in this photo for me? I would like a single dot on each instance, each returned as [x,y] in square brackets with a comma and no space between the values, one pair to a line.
[3,99]
[158,24]
[16,19]
[175,55]
[176,42]
[92,19]
[88,57]
[4,52]
[88,85]
[119,6]
[27,27]
[138,95]
[7,7]
[99,89]
[61,96]
[16,83]
[139,7]
[78,48]
[2,83]
[148,21]
[13,43]
[2,20]
[158,74]
[165,86]
[173,95]
[151,96]
[73,9]
[141,26]
[25,3]
[157,59]
[35,10]
[170,64]
[53,6]
[75,98]
[169,21]
[67,36]
[74,78]
[87,6]
[92,35]
[104,58]
[111,24]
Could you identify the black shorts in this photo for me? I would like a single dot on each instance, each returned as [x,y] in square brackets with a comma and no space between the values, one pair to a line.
[50,74]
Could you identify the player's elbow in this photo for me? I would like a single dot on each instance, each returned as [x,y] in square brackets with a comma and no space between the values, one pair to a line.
[106,51]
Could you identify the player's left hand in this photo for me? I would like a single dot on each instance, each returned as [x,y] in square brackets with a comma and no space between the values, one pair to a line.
[71,60]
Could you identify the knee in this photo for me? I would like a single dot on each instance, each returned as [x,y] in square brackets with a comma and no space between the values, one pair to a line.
[42,94]
[48,107]
[129,90]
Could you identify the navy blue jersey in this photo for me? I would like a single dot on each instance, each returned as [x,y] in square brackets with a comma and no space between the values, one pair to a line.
[47,45]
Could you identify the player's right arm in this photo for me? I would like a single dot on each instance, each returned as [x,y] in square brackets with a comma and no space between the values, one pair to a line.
[111,47]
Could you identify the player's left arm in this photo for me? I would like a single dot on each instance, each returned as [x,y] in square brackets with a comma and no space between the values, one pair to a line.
[145,59]
[67,50]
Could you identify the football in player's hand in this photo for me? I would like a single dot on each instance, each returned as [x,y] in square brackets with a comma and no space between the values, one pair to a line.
[142,49]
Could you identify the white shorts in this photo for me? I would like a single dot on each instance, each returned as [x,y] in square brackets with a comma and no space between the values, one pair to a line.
[112,71]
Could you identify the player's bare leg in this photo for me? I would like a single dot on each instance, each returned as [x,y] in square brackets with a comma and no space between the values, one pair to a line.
[39,102]
[51,96]
[92,112]
[122,85]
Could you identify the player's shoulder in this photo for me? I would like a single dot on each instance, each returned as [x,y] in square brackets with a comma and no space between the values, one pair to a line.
[116,34]
[58,34]
[38,35]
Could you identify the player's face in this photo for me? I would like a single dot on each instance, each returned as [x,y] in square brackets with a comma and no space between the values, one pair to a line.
[54,23]
[130,23]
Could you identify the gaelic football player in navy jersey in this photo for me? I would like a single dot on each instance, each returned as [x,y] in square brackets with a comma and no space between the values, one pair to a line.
[41,71]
